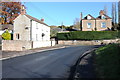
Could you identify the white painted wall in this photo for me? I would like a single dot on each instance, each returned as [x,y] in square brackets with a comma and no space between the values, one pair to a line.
[1,32]
[38,29]
[37,44]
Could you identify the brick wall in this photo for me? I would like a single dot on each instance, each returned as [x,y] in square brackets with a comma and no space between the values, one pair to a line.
[84,25]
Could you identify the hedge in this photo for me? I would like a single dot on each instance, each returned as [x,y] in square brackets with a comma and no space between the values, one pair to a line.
[88,35]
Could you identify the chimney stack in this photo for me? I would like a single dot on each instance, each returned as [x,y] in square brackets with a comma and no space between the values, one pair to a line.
[81,16]
[23,10]
[101,12]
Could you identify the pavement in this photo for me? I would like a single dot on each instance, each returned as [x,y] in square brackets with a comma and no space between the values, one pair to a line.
[47,64]
[86,68]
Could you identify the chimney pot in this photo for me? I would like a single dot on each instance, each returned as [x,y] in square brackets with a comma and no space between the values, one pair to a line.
[42,20]
[102,12]
[23,10]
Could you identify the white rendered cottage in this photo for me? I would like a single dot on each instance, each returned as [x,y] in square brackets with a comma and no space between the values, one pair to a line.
[28,28]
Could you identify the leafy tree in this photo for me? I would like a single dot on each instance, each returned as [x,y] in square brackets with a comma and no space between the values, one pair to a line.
[6,35]
[9,11]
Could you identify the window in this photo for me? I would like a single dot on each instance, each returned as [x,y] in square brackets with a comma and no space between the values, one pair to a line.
[103,25]
[88,25]
[103,17]
[36,25]
[17,36]
[36,37]
[26,27]
[88,17]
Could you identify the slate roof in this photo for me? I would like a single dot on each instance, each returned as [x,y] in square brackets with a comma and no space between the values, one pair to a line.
[35,19]
[98,18]
[107,17]
[92,18]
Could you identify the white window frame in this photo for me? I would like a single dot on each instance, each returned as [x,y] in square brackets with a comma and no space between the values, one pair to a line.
[89,26]
[36,25]
[88,17]
[103,17]
[102,25]
[36,37]
[17,36]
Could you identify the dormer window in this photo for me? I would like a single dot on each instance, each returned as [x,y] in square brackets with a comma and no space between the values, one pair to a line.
[103,17]
[88,17]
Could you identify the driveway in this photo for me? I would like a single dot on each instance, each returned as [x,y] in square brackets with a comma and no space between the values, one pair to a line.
[47,64]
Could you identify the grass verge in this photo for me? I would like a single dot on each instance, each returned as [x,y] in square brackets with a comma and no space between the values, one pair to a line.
[107,61]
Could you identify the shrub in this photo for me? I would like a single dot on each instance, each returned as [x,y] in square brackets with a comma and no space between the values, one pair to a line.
[88,35]
[6,35]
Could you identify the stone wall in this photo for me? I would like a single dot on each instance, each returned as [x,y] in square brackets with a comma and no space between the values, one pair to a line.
[18,45]
[15,45]
[93,42]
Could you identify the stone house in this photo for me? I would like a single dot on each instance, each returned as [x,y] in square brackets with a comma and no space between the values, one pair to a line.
[28,28]
[101,23]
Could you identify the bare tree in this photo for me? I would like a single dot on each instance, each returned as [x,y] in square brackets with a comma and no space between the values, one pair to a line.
[119,12]
[76,23]
[114,13]
[105,9]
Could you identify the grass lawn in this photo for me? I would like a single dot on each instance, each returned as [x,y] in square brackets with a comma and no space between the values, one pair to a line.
[107,61]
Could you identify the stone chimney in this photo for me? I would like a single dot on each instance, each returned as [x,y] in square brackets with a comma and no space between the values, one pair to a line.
[101,12]
[23,10]
[81,16]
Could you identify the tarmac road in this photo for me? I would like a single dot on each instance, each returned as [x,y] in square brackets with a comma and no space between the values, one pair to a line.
[47,64]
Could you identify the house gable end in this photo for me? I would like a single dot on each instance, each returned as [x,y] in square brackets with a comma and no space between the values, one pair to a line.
[21,16]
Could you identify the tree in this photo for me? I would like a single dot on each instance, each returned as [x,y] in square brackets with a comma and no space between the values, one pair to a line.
[119,12]
[114,16]
[77,23]
[114,13]
[105,9]
[9,11]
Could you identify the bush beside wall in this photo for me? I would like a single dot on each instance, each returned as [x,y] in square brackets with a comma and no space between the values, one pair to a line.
[88,35]
[6,35]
